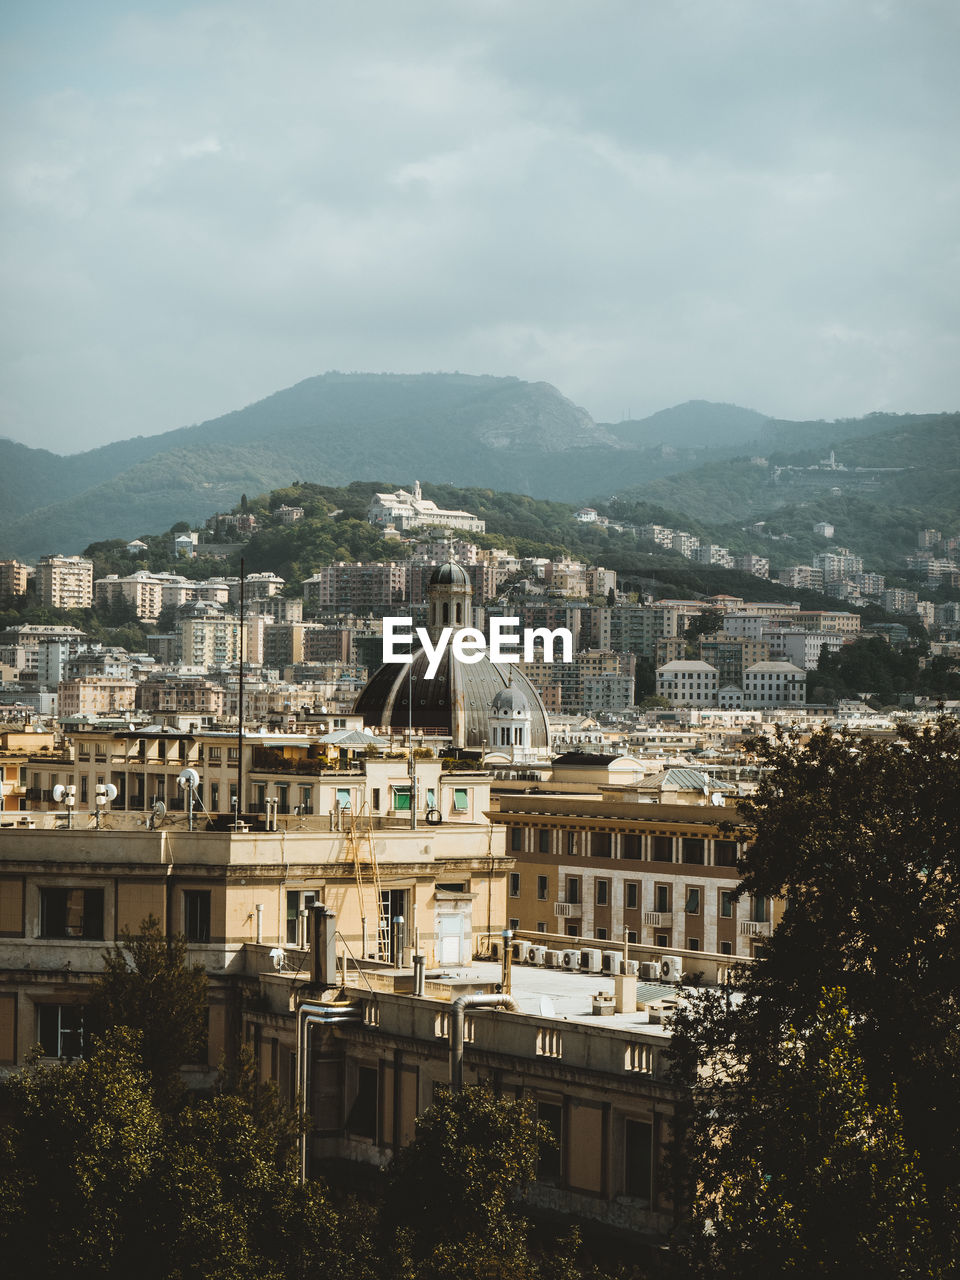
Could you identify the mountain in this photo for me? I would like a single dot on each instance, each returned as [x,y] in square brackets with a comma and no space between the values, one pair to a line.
[501,433]
[696,423]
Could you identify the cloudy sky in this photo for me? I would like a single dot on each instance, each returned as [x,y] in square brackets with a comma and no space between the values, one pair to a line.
[640,201]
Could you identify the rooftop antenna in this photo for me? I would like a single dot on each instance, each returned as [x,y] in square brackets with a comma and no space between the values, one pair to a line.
[188,780]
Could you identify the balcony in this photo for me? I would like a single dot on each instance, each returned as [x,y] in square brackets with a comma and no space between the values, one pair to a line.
[658,919]
[755,928]
[563,910]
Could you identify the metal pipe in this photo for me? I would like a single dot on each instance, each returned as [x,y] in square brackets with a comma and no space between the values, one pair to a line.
[308,1016]
[499,1000]
[419,975]
[259,910]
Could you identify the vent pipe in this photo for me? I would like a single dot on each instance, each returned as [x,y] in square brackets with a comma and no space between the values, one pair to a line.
[496,1001]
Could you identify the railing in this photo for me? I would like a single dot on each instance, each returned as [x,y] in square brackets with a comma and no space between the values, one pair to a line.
[659,919]
[565,909]
[755,928]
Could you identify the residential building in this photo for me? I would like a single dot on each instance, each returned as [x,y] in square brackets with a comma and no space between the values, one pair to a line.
[688,683]
[65,582]
[774,684]
[13,580]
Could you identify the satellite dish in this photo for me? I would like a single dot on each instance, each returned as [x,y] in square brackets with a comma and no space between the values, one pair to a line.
[717,798]
[59,791]
[188,778]
[159,810]
[108,791]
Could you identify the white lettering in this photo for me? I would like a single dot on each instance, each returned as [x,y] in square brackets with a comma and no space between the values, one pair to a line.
[392,635]
[549,638]
[434,653]
[468,645]
[500,638]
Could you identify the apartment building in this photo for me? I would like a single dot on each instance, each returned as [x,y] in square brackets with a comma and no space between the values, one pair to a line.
[65,582]
[602,868]
[13,579]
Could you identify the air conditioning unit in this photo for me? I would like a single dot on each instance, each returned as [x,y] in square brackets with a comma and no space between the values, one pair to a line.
[591,959]
[650,970]
[631,968]
[535,955]
[671,968]
[494,950]
[570,959]
[516,950]
[611,962]
[552,959]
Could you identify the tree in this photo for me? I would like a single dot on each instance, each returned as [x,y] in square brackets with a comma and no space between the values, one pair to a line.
[148,986]
[861,841]
[76,1162]
[452,1203]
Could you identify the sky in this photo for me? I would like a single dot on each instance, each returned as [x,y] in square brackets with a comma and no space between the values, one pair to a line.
[640,201]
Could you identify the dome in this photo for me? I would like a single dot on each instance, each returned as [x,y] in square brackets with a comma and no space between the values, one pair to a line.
[510,702]
[450,574]
[457,702]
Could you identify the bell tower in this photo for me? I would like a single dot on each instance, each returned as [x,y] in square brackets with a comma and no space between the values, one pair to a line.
[449,600]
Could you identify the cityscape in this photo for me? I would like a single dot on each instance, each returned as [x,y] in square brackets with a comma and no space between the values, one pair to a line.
[445,833]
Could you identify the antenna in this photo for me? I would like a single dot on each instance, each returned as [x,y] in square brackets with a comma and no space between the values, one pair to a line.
[188,780]
[159,813]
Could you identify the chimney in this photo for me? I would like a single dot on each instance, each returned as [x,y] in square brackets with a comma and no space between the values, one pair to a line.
[323,969]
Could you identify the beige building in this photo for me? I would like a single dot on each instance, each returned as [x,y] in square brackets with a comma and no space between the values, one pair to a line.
[144,591]
[65,582]
[663,874]
[96,696]
[13,579]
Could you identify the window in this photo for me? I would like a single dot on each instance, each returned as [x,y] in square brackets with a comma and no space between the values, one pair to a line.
[516,839]
[571,843]
[196,915]
[663,848]
[603,892]
[60,1030]
[726,903]
[600,844]
[693,902]
[514,884]
[306,799]
[573,889]
[724,853]
[541,926]
[513,924]
[431,798]
[71,913]
[214,755]
[761,908]
[283,798]
[692,850]
[632,846]
[543,840]
[343,797]
[401,799]
[460,802]
[233,755]
[376,799]
[693,944]
[638,1159]
[542,888]
[661,940]
[362,1119]
[295,900]
[661,897]
[550,1154]
[632,936]
[84,789]
[631,895]
[726,948]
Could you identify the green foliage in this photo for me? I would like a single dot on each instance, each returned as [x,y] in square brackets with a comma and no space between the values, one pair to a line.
[77,1160]
[453,1200]
[825,1125]
[147,985]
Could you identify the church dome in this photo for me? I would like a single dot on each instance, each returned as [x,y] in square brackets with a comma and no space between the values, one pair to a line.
[457,702]
[450,574]
[510,702]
